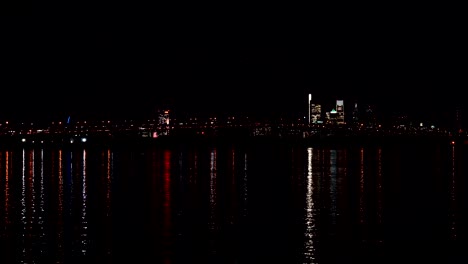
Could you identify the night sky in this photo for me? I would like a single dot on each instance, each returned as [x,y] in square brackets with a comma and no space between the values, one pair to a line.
[257,62]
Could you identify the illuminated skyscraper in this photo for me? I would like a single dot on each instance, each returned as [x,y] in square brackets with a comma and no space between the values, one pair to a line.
[340,112]
[355,114]
[163,124]
[316,113]
[164,118]
[332,117]
[370,118]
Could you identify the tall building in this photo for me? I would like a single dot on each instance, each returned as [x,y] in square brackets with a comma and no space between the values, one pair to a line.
[332,117]
[163,123]
[355,114]
[164,118]
[316,113]
[370,118]
[340,119]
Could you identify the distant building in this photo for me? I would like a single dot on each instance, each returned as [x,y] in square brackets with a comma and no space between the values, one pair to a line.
[163,123]
[316,113]
[370,118]
[332,117]
[340,119]
[164,118]
[355,114]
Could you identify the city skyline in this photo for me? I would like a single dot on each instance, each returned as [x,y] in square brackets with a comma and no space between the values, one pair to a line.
[261,65]
[312,111]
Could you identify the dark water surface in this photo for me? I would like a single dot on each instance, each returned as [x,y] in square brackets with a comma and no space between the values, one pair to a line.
[265,203]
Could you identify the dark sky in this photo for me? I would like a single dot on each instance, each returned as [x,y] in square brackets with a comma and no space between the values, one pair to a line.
[116,62]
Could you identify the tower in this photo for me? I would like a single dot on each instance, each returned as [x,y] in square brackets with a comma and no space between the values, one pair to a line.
[340,112]
[163,122]
[356,114]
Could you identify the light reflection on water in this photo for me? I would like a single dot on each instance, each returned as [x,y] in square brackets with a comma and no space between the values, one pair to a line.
[212,224]
[7,189]
[24,221]
[453,196]
[333,186]
[60,197]
[362,193]
[109,165]
[41,214]
[310,230]
[379,177]
[167,204]
[323,205]
[84,203]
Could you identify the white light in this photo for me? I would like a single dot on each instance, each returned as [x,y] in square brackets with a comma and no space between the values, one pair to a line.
[83,139]
[310,97]
[23,140]
[71,140]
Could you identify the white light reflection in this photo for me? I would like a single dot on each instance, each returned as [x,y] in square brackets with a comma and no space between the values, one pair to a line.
[84,201]
[333,186]
[32,177]
[310,228]
[60,238]
[453,222]
[245,189]
[41,215]
[167,212]
[7,187]
[361,188]
[110,169]
[109,174]
[233,186]
[213,198]
[379,189]
[24,222]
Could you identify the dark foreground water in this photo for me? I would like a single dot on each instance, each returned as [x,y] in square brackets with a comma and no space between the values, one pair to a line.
[235,204]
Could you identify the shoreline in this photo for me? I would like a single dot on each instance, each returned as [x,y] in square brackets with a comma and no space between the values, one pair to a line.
[168,141]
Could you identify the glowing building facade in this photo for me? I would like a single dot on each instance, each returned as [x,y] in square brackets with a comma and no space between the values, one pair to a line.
[164,118]
[355,114]
[316,113]
[163,122]
[340,119]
